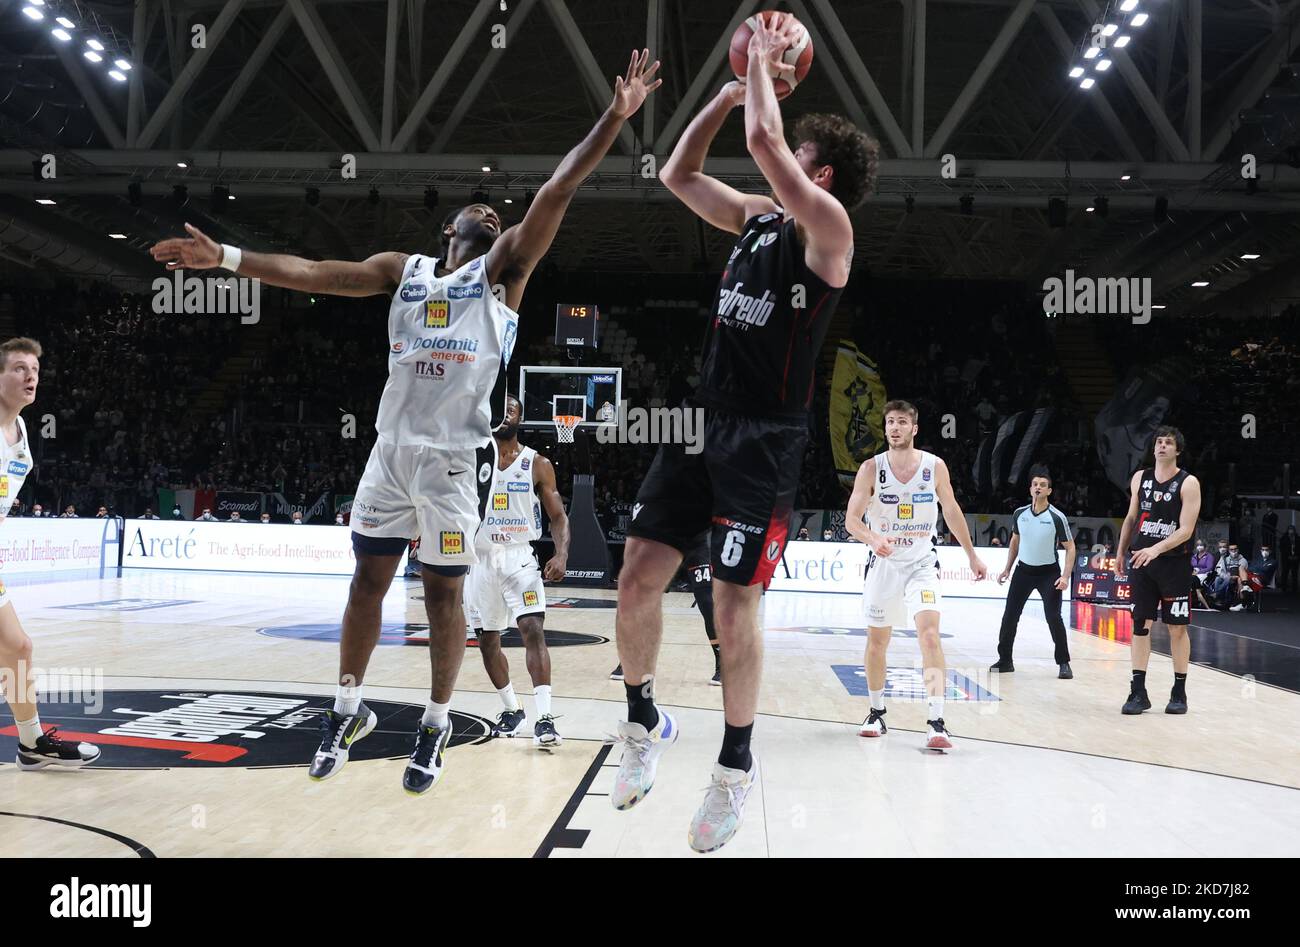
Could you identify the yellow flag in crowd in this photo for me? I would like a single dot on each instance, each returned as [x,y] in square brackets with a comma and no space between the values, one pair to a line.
[857,397]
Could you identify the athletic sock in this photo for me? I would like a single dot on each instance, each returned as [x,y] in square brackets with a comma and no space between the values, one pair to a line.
[508,698]
[1180,686]
[347,700]
[641,703]
[542,699]
[735,748]
[29,731]
[717,656]
[436,715]
[1139,680]
[936,707]
[877,699]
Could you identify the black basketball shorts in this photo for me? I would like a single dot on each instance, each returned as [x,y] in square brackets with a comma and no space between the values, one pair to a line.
[739,489]
[1160,590]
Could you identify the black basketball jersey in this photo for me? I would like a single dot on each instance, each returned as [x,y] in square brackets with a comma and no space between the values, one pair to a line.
[1160,506]
[760,351]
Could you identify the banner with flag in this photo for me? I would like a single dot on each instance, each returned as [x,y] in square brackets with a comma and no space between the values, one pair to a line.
[857,397]
[1125,425]
[1029,444]
[1009,435]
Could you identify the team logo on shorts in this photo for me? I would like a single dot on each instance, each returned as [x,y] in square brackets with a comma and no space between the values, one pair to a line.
[636,508]
[484,472]
[435,313]
[530,598]
[927,598]
[773,550]
[904,511]
[453,542]
[500,501]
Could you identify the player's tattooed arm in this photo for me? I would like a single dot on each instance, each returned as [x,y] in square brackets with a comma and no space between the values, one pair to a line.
[553,503]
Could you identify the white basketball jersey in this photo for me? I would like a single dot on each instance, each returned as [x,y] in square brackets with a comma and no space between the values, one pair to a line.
[513,515]
[906,512]
[449,340]
[17,464]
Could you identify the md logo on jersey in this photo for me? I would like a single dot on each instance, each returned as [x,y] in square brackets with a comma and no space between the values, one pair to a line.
[436,314]
[413,293]
[164,729]
[500,501]
[516,487]
[908,683]
[904,511]
[453,542]
[465,292]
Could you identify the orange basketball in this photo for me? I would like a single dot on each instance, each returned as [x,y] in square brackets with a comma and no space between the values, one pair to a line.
[800,55]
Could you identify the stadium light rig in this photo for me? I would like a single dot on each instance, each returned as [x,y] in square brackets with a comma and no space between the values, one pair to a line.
[102,45]
[1114,30]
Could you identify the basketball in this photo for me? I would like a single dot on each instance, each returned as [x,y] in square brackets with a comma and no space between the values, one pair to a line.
[799,55]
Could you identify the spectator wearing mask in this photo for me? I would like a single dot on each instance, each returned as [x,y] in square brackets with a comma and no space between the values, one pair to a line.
[803,533]
[206,517]
[149,514]
[236,518]
[297,518]
[38,510]
[266,517]
[69,512]
[1289,559]
[1264,565]
[338,519]
[1202,568]
[827,536]
[177,514]
[1229,575]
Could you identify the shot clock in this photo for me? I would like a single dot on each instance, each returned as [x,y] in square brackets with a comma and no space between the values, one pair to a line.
[576,324]
[1094,581]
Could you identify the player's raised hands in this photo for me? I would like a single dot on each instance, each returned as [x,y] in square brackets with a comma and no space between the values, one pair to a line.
[770,40]
[631,91]
[198,251]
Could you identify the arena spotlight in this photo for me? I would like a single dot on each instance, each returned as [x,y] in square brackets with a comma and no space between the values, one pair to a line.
[44,201]
[33,14]
[1056,212]
[1160,213]
[1092,52]
[95,44]
[1121,41]
[1127,6]
[967,203]
[430,198]
[1139,19]
[114,74]
[1102,65]
[1076,72]
[1088,83]
[122,64]
[61,35]
[64,22]
[1250,256]
[133,193]
[93,56]
[312,196]
[1201,283]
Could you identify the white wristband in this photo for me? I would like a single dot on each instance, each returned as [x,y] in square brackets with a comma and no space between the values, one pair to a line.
[230,257]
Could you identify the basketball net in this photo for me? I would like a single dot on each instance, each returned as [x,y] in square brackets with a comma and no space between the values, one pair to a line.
[565,425]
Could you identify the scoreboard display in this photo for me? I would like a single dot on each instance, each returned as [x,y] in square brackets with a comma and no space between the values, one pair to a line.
[1095,581]
[577,324]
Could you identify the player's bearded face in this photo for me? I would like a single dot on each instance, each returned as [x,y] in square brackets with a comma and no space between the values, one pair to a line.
[510,424]
[899,430]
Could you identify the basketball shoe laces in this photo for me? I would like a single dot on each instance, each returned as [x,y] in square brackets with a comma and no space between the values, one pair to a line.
[425,745]
[49,735]
[331,728]
[721,799]
[639,747]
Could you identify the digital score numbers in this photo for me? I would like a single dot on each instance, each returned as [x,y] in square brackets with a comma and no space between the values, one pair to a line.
[576,324]
[1094,581]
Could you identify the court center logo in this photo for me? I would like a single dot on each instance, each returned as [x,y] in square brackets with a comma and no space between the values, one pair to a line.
[1089,295]
[680,425]
[165,729]
[208,296]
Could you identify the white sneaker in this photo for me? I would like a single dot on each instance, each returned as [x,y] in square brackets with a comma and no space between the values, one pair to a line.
[874,725]
[1237,608]
[641,752]
[723,809]
[937,736]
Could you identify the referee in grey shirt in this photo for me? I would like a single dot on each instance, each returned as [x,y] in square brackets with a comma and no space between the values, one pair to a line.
[1036,530]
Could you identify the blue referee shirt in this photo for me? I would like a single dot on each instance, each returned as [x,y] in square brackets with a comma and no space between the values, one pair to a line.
[1039,533]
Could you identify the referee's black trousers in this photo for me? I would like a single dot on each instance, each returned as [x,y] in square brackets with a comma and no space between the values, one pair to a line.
[1023,581]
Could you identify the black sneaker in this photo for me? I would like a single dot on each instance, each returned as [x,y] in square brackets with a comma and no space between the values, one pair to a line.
[338,733]
[52,751]
[617,673]
[716,679]
[425,767]
[545,736]
[1066,674]
[1137,701]
[509,723]
[1177,704]
[999,668]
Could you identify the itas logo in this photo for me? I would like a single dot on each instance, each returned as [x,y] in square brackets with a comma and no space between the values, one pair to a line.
[500,501]
[922,497]
[889,498]
[413,293]
[516,487]
[430,370]
[453,542]
[18,468]
[437,312]
[530,598]
[904,511]
[465,292]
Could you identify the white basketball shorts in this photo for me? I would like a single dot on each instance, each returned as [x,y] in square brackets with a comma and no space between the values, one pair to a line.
[895,591]
[504,584]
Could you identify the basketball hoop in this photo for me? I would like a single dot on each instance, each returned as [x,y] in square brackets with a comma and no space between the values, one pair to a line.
[565,425]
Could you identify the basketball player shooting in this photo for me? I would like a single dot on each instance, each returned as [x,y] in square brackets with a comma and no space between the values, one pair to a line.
[20,370]
[450,337]
[769,318]
[506,582]
[1159,526]
[893,510]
